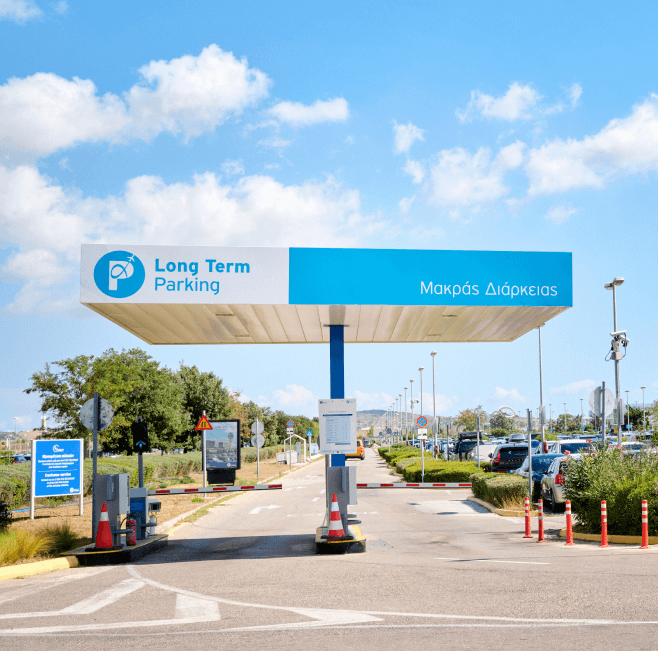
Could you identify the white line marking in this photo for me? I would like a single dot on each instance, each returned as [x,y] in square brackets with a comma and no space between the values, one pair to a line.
[315,499]
[102,599]
[192,608]
[259,508]
[323,491]
[488,560]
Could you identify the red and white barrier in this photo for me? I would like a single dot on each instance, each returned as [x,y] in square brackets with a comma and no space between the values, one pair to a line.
[215,489]
[604,525]
[569,542]
[645,525]
[540,518]
[399,484]
[528,533]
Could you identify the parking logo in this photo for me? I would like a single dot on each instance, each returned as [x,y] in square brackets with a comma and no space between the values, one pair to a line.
[119,274]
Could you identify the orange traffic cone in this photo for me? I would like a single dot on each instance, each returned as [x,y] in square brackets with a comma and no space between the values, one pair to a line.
[104,533]
[335,523]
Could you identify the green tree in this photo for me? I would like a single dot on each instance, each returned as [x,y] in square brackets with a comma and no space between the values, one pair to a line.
[130,380]
[466,419]
[502,422]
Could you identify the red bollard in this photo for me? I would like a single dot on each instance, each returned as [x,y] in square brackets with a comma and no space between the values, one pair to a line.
[540,517]
[569,542]
[604,525]
[645,526]
[528,533]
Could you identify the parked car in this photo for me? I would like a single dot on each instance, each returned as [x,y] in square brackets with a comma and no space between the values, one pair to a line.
[19,458]
[508,457]
[540,465]
[573,446]
[552,483]
[485,452]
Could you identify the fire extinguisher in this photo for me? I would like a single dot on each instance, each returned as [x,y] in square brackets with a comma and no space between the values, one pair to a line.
[131,538]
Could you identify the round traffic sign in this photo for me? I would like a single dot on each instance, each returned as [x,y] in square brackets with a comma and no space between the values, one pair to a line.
[258,440]
[290,423]
[422,421]
[388,430]
[105,414]
[257,427]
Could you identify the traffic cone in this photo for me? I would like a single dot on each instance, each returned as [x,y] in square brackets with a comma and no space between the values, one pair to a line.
[104,533]
[335,523]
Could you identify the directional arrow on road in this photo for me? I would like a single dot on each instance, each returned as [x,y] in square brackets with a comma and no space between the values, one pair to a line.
[258,509]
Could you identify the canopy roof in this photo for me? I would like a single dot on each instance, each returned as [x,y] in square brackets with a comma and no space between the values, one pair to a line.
[241,295]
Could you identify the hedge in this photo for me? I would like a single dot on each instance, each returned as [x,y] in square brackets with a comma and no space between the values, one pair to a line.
[501,490]
[441,471]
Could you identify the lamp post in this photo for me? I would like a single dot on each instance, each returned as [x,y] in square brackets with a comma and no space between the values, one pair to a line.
[616,354]
[644,425]
[433,354]
[406,421]
[565,417]
[413,437]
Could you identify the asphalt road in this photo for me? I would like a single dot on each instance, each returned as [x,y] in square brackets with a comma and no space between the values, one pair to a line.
[439,572]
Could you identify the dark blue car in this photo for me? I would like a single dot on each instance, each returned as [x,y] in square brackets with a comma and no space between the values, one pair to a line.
[540,465]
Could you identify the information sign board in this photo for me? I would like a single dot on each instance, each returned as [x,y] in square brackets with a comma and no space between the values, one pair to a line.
[56,469]
[422,431]
[222,444]
[337,425]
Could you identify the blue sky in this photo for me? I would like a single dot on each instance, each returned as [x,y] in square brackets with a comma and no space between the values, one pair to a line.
[446,125]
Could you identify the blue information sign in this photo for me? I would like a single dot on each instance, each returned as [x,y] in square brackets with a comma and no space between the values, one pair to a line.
[56,468]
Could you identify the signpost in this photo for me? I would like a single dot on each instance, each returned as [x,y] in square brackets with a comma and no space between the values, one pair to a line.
[96,414]
[202,426]
[140,434]
[257,440]
[57,469]
[422,435]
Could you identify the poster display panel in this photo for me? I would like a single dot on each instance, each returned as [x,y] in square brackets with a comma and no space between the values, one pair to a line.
[337,426]
[222,445]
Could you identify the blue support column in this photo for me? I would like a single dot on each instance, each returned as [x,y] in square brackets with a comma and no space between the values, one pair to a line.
[337,374]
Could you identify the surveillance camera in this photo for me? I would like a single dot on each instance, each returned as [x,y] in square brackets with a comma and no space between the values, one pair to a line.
[618,333]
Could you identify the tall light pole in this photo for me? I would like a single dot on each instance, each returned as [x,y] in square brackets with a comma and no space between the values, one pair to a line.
[421,368]
[644,424]
[406,421]
[582,415]
[616,354]
[542,417]
[628,413]
[565,417]
[400,415]
[411,383]
[434,427]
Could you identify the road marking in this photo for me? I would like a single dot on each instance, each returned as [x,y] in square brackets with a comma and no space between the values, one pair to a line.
[193,608]
[258,509]
[293,488]
[488,560]
[315,499]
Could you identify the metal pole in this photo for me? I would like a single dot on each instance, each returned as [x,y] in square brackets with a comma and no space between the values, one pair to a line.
[565,417]
[644,425]
[433,354]
[617,387]
[94,506]
[140,462]
[203,455]
[400,418]
[413,432]
[477,423]
[541,396]
[258,453]
[603,413]
[529,453]
[420,369]
[406,420]
[422,441]
[628,413]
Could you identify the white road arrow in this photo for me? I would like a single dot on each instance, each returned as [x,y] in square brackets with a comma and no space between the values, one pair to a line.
[259,508]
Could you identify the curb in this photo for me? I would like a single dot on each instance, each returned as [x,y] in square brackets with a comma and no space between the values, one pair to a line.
[612,538]
[508,513]
[26,569]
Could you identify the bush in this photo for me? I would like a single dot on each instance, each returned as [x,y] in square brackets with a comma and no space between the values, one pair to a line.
[5,516]
[60,538]
[623,481]
[441,471]
[20,545]
[501,490]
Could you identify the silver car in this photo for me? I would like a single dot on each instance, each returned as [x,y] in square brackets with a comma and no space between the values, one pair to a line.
[552,483]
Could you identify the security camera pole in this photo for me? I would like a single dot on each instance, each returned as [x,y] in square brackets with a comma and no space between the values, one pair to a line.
[616,354]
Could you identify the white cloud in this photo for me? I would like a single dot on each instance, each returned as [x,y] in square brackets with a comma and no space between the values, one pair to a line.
[189,95]
[405,135]
[232,167]
[19,10]
[459,178]
[623,146]
[444,404]
[582,387]
[575,91]
[415,169]
[405,204]
[301,115]
[373,400]
[560,214]
[513,105]
[296,397]
[508,396]
[44,223]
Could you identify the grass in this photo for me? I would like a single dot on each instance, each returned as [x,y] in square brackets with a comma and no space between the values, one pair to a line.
[60,538]
[20,545]
[197,499]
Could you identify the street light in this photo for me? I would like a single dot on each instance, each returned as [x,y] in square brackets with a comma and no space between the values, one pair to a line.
[644,425]
[616,354]
[413,438]
[434,427]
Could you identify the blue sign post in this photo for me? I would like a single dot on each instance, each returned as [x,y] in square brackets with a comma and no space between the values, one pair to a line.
[57,469]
